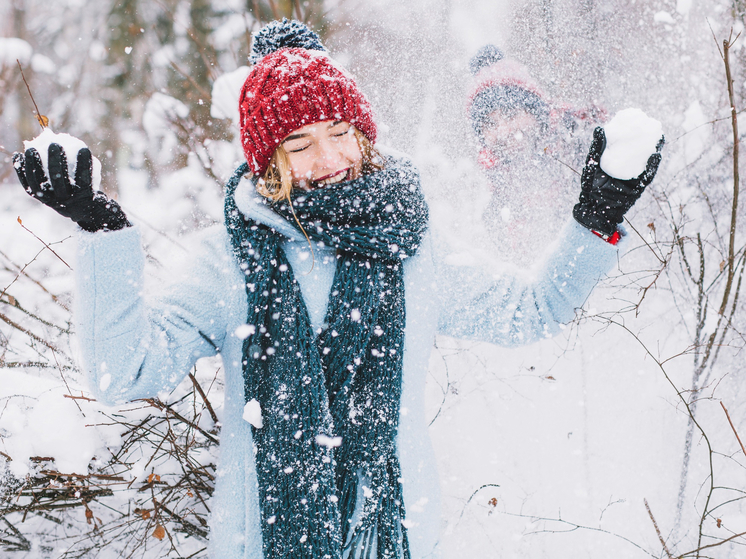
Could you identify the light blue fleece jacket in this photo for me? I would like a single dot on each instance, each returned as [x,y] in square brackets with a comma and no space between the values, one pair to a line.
[136,344]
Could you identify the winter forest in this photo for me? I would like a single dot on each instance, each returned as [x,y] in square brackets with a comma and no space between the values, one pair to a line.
[622,437]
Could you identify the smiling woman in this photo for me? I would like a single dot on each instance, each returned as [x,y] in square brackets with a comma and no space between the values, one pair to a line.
[324,445]
[318,155]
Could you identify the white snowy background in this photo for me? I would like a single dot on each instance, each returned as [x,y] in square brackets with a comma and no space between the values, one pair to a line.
[545,451]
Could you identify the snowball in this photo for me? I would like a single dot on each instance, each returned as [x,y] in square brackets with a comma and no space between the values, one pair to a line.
[252,412]
[12,49]
[71,145]
[225,92]
[631,137]
[244,331]
[328,442]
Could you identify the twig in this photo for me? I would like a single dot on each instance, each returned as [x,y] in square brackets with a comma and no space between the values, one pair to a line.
[202,394]
[165,407]
[657,530]
[727,44]
[558,160]
[30,334]
[733,427]
[64,380]
[191,80]
[692,418]
[81,397]
[710,546]
[39,117]
[22,272]
[42,242]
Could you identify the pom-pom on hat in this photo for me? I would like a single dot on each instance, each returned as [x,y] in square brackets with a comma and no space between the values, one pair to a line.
[294,83]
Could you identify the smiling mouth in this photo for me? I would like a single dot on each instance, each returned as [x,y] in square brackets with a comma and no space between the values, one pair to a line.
[334,178]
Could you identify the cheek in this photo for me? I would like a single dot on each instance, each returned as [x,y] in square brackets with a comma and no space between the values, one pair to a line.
[300,166]
[351,151]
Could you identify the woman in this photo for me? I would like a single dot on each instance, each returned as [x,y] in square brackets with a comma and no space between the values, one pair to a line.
[322,295]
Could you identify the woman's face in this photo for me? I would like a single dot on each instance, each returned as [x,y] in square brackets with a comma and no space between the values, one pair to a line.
[506,134]
[323,153]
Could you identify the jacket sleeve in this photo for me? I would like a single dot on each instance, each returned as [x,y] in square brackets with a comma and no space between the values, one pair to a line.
[133,345]
[511,309]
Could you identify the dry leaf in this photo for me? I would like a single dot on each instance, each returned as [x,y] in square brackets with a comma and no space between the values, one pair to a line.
[722,265]
[44,121]
[550,377]
[152,477]
[19,220]
[190,494]
[11,300]
[145,514]
[720,522]
[492,502]
[651,226]
[159,532]
[88,515]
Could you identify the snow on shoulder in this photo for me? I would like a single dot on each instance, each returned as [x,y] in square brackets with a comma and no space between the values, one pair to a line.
[631,138]
[71,145]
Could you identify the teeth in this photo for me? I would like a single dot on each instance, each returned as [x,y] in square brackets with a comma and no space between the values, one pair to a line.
[335,179]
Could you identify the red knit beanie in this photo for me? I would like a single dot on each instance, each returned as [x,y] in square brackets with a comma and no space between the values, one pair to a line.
[291,87]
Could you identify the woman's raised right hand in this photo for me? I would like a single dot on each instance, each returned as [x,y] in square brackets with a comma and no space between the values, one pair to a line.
[76,200]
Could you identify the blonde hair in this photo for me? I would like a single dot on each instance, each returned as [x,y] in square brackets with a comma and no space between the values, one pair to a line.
[277,181]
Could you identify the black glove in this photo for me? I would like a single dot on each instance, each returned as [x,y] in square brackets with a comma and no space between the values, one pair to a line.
[92,211]
[603,199]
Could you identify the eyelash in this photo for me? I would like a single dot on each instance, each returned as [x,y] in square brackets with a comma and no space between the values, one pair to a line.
[297,150]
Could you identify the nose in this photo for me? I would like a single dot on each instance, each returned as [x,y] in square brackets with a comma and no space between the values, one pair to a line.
[504,129]
[330,154]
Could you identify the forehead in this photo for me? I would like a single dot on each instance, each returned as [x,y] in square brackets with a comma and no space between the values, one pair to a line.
[315,128]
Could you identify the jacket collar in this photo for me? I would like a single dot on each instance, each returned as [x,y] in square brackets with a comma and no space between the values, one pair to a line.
[254,206]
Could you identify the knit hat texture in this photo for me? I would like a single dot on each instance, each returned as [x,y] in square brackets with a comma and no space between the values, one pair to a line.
[294,83]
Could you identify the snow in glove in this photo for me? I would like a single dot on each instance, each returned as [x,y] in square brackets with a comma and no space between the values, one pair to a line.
[92,211]
[604,199]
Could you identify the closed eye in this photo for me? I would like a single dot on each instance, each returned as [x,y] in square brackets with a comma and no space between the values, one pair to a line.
[296,150]
[339,134]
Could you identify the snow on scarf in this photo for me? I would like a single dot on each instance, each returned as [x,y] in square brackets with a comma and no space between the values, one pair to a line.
[330,399]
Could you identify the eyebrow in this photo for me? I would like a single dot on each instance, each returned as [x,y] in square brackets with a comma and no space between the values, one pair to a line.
[298,136]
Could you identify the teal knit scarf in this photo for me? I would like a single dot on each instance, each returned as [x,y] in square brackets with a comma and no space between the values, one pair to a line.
[330,400]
